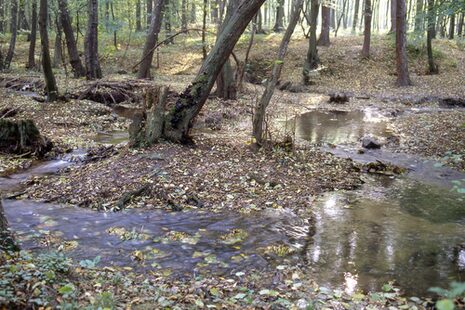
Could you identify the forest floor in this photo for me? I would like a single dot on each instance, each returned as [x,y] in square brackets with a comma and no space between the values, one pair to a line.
[221,172]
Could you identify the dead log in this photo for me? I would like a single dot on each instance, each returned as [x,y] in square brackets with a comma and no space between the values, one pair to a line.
[22,137]
[339,98]
[109,92]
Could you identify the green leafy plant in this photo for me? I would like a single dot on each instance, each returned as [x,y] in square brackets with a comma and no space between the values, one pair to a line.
[456,290]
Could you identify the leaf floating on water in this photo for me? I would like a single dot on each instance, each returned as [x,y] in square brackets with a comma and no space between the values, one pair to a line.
[234,236]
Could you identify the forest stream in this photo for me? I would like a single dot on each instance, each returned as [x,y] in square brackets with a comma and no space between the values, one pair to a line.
[408,228]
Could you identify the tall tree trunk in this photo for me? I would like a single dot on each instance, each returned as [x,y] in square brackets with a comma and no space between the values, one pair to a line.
[325,23]
[183,15]
[22,20]
[74,60]
[58,52]
[279,23]
[138,16]
[259,23]
[2,15]
[149,13]
[204,30]
[226,83]
[180,119]
[31,63]
[151,41]
[355,21]
[7,242]
[50,82]
[460,25]
[214,11]
[403,78]
[433,68]
[260,110]
[312,60]
[393,16]
[452,27]
[14,33]
[91,42]
[167,13]
[367,32]
[193,14]
[419,17]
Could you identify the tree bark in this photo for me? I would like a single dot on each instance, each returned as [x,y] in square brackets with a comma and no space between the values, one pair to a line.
[355,21]
[7,242]
[325,23]
[367,32]
[419,17]
[31,63]
[167,14]
[460,25]
[58,52]
[433,68]
[193,13]
[279,23]
[138,16]
[91,42]
[393,16]
[260,110]
[14,32]
[74,60]
[312,60]
[226,87]
[151,41]
[183,15]
[149,13]
[50,82]
[180,119]
[403,78]
[452,27]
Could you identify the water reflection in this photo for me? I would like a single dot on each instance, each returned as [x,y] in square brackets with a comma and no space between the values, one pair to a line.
[340,127]
[406,235]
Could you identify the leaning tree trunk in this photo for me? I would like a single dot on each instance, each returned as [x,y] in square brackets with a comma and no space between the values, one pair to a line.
[91,42]
[312,60]
[178,122]
[279,23]
[31,63]
[14,33]
[403,78]
[325,23]
[50,82]
[151,41]
[260,110]
[367,33]
[226,87]
[74,60]
[7,242]
[433,68]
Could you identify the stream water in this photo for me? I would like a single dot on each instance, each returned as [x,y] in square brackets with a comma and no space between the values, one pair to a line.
[409,229]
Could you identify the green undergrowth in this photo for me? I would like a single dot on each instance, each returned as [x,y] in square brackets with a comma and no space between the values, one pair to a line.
[51,279]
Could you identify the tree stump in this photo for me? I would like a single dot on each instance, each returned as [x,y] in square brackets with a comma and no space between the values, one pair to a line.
[22,137]
[147,127]
[7,242]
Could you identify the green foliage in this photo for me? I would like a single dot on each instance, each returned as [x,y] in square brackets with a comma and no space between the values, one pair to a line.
[87,263]
[456,290]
